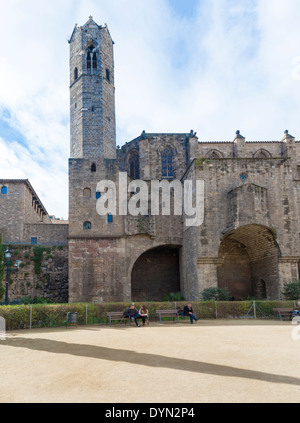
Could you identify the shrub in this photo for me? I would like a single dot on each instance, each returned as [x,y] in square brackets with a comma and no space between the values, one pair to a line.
[173,297]
[291,291]
[35,300]
[216,294]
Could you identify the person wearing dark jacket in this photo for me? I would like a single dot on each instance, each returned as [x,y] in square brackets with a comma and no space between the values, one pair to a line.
[188,311]
[132,313]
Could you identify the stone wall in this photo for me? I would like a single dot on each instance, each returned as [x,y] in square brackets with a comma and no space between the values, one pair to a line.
[47,277]
[47,234]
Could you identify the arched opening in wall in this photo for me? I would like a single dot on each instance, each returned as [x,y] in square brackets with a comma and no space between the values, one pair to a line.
[248,263]
[155,274]
[261,290]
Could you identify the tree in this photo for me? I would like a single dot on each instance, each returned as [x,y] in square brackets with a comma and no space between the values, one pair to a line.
[291,290]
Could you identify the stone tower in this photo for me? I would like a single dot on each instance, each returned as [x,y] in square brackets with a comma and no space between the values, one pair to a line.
[92,92]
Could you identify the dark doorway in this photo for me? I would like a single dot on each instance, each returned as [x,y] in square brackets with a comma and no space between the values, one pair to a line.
[155,274]
[248,263]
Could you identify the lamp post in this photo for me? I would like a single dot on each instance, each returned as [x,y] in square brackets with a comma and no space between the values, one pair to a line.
[7,256]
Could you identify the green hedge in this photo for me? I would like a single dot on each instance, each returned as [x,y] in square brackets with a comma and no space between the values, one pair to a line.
[43,316]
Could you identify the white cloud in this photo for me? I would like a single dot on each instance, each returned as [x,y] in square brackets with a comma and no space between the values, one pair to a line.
[229,66]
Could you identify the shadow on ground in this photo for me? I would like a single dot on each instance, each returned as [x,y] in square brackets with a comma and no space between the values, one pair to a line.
[144,359]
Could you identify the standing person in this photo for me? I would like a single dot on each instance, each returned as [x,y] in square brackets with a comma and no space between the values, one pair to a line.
[132,313]
[143,312]
[188,311]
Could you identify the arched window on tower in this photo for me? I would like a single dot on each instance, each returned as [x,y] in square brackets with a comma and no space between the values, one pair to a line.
[93,168]
[167,163]
[91,60]
[134,165]
[75,74]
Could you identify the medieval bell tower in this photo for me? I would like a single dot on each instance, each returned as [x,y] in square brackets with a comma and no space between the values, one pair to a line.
[92,92]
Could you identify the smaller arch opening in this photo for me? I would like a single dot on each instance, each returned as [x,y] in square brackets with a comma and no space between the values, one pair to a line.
[87,226]
[87,193]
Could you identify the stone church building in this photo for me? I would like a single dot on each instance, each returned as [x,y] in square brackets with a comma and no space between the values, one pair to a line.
[249,241]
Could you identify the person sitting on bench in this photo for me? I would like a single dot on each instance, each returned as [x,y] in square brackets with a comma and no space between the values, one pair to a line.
[188,311]
[132,313]
[143,312]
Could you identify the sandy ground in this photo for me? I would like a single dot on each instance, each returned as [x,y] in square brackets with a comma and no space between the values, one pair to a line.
[243,361]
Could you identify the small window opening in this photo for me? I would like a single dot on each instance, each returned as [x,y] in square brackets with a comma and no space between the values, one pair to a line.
[87,193]
[87,226]
[4,190]
[93,168]
[110,218]
[34,241]
[108,74]
[75,74]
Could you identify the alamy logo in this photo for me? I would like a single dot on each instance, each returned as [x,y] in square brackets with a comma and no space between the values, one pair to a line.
[133,198]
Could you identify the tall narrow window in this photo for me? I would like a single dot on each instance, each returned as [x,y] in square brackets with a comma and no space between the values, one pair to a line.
[4,191]
[167,163]
[134,165]
[94,61]
[75,74]
[110,218]
[89,61]
[93,168]
[108,74]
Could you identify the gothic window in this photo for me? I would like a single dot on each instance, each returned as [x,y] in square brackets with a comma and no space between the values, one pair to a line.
[167,163]
[87,226]
[108,74]
[4,191]
[214,154]
[134,165]
[262,154]
[91,59]
[75,74]
[93,168]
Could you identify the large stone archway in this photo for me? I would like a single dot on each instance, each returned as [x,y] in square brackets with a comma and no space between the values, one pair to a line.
[249,263]
[155,274]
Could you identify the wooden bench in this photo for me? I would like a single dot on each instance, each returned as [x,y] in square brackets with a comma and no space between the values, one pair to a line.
[283,312]
[116,315]
[167,313]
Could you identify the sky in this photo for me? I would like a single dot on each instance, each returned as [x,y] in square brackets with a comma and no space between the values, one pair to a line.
[214,66]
